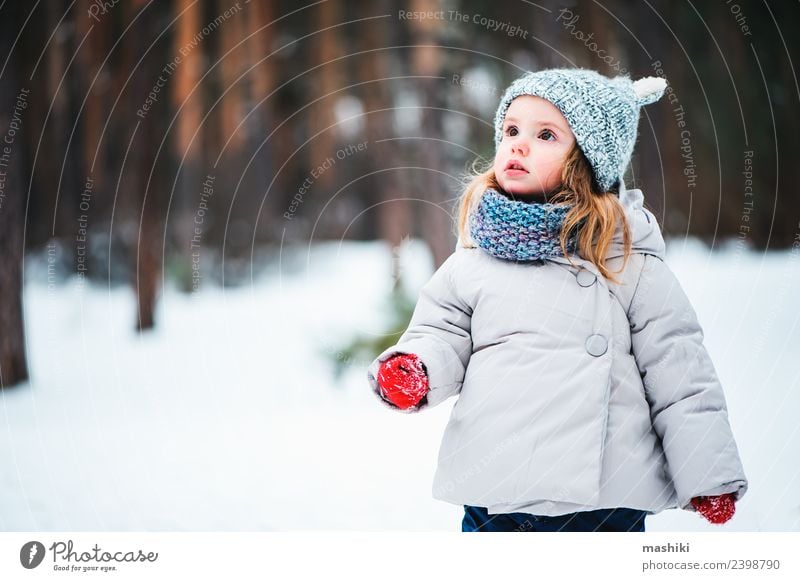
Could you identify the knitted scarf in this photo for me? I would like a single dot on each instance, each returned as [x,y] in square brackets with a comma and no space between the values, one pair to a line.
[520,231]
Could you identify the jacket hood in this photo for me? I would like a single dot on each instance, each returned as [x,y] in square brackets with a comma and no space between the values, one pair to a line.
[646,237]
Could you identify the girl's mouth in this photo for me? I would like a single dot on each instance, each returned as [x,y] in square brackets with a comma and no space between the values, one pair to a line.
[515,168]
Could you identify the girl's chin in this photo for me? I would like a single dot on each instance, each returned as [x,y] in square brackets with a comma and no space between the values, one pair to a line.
[524,195]
[521,192]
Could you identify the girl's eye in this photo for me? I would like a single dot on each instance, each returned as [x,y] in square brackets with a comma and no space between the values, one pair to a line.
[511,128]
[547,131]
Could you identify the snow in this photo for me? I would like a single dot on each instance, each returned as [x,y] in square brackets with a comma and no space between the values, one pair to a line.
[226,417]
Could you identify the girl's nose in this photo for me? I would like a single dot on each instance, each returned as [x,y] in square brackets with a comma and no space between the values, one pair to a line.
[519,148]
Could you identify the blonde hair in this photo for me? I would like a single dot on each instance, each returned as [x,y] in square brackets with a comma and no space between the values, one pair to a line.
[597,213]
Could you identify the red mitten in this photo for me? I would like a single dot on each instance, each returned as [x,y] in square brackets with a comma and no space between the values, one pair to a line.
[715,509]
[403,380]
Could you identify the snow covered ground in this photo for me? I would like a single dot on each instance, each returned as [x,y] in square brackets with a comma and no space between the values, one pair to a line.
[227,416]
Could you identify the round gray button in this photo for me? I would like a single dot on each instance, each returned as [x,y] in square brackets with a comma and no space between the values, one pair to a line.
[596,345]
[586,277]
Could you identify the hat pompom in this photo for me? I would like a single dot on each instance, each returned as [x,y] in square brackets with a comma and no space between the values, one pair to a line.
[649,89]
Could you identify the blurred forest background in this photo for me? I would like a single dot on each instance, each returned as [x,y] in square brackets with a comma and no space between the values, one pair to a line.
[191,140]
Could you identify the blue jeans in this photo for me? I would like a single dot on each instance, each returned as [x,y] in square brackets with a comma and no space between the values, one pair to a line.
[477,519]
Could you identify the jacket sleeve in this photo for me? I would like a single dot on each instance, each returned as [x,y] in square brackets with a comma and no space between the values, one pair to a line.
[687,404]
[439,333]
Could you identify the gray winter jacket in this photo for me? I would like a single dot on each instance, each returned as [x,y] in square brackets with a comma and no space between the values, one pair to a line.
[574,393]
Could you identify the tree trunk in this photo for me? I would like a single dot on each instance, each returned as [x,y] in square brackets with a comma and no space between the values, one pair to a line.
[13,104]
[326,79]
[392,204]
[148,197]
[262,32]
[438,223]
[187,139]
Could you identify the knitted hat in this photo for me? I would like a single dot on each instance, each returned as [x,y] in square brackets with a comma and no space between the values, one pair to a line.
[603,113]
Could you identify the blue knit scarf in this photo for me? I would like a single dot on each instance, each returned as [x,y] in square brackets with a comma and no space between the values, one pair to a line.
[520,231]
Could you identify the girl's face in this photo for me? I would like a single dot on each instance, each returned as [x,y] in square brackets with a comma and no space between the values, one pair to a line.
[536,141]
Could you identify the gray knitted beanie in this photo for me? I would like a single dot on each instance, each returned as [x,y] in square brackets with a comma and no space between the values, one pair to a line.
[603,113]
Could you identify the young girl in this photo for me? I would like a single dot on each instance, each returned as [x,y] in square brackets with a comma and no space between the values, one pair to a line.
[587,399]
